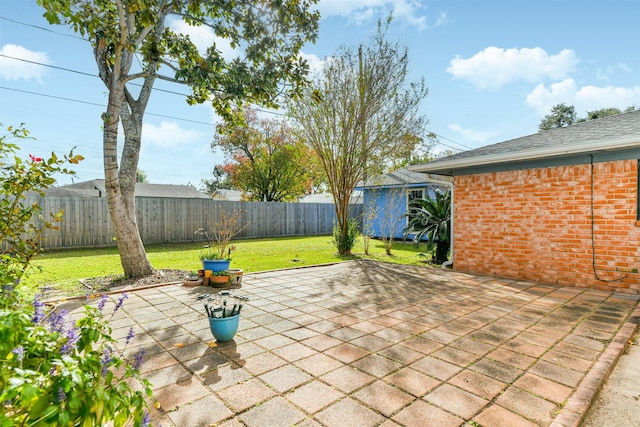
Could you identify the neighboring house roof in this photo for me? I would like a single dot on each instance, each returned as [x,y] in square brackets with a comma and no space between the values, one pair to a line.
[66,192]
[229,195]
[400,177]
[605,134]
[356,198]
[96,188]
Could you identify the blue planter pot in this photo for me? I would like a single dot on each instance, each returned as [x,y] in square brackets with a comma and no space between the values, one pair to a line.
[224,329]
[215,264]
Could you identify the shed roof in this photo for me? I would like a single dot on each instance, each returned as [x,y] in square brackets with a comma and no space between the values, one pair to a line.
[609,133]
[227,194]
[398,178]
[356,198]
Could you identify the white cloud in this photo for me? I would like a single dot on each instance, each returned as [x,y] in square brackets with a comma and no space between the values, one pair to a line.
[366,10]
[14,69]
[495,67]
[470,135]
[586,98]
[168,136]
[203,37]
[607,72]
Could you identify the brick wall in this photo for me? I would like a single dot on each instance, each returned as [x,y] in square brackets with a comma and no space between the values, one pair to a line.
[535,224]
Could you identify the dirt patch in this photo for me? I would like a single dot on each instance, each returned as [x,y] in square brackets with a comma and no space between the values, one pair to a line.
[106,283]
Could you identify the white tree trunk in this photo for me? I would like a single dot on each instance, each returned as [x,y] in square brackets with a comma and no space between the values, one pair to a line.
[120,186]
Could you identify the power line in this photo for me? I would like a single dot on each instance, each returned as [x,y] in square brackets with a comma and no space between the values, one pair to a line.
[100,105]
[190,120]
[42,28]
[47,65]
[84,73]
[162,90]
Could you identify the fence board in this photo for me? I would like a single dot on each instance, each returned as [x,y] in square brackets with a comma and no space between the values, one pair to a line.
[166,220]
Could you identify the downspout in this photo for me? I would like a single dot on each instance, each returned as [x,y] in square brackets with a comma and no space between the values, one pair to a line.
[439,180]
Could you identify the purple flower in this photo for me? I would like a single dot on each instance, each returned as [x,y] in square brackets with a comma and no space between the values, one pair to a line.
[72,339]
[56,320]
[130,336]
[105,360]
[137,362]
[145,419]
[61,395]
[38,309]
[103,301]
[18,352]
[120,302]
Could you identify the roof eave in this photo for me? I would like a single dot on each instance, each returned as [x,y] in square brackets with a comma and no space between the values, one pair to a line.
[445,167]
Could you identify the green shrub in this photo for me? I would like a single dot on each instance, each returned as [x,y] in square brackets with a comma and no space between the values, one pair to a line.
[56,371]
[347,242]
[53,370]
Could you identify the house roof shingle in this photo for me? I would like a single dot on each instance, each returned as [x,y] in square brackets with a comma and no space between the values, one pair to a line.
[96,188]
[608,133]
[397,178]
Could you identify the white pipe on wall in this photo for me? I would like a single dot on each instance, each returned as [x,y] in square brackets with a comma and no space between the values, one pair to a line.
[439,179]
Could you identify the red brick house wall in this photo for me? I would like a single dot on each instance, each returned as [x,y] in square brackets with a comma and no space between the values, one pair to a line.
[536,224]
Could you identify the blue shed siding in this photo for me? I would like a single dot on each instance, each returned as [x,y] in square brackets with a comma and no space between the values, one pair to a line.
[389,205]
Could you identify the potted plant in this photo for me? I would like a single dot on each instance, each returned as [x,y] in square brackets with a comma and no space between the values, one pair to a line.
[217,255]
[235,275]
[194,279]
[224,318]
[219,278]
[211,260]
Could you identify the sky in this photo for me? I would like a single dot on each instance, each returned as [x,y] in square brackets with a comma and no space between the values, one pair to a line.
[494,69]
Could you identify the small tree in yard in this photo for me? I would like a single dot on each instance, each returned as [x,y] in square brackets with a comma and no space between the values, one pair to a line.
[431,218]
[389,218]
[369,214]
[357,117]
[134,44]
[219,232]
[382,211]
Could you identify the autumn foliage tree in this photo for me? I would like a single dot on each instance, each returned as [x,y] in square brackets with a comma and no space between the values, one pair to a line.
[134,45]
[266,160]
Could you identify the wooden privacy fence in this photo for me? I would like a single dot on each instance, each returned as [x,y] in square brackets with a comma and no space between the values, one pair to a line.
[162,220]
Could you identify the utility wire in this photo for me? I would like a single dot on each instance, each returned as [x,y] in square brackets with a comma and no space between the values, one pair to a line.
[101,105]
[160,90]
[4,18]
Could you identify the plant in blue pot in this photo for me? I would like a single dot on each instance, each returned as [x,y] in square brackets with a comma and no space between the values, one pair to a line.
[224,315]
[218,234]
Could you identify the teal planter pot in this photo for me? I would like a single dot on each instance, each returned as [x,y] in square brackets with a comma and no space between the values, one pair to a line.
[224,329]
[215,265]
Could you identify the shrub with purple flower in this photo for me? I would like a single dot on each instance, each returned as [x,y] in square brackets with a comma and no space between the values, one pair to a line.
[63,372]
[53,371]
[120,302]
[103,301]
[38,309]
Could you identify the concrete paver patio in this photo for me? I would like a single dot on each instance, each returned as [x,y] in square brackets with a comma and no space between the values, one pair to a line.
[363,343]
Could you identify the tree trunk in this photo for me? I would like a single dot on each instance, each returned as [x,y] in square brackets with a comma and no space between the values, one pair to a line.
[442,250]
[120,189]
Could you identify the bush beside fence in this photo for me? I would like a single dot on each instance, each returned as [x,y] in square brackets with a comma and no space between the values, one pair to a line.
[172,220]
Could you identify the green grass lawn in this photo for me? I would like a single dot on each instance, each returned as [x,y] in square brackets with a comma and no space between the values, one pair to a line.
[62,269]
